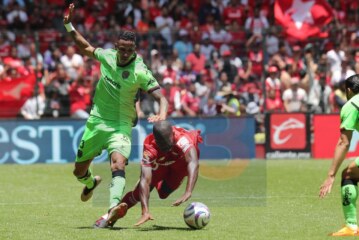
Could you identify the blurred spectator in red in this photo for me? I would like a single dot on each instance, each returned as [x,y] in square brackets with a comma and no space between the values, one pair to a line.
[154,9]
[5,47]
[190,101]
[234,12]
[256,56]
[238,37]
[183,45]
[173,96]
[273,102]
[197,59]
[272,82]
[143,26]
[319,99]
[295,98]
[80,97]
[281,58]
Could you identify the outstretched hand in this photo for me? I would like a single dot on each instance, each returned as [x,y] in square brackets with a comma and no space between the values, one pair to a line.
[145,217]
[182,199]
[326,187]
[68,17]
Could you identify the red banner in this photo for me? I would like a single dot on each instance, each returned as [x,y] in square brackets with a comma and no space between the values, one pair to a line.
[287,135]
[326,136]
[14,93]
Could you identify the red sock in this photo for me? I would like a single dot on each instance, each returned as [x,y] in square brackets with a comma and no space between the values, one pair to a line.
[131,198]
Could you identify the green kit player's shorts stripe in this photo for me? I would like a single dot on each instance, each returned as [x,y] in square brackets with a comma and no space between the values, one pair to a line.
[104,134]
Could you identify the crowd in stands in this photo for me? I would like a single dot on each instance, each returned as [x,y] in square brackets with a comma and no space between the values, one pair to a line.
[212,57]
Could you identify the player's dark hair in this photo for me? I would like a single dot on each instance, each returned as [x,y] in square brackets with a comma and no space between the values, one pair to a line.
[353,83]
[127,35]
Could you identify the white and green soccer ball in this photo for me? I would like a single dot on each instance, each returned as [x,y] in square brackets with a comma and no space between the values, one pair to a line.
[196,215]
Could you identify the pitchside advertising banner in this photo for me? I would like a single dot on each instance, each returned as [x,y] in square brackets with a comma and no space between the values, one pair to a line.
[326,134]
[288,135]
[56,141]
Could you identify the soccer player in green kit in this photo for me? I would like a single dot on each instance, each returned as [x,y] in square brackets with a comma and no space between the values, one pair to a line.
[113,113]
[349,118]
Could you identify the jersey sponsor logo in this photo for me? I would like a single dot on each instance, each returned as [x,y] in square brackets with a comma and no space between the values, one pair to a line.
[125,74]
[288,132]
[184,143]
[156,164]
[113,82]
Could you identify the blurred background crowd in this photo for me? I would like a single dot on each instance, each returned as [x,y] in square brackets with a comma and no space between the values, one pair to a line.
[212,57]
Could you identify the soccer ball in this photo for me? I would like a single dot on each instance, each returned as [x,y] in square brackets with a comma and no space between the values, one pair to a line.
[196,215]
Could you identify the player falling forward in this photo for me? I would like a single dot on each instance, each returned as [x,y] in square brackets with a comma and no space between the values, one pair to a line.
[169,155]
[349,116]
[113,113]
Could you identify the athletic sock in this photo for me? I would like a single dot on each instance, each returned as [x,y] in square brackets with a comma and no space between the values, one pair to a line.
[88,179]
[131,199]
[349,191]
[117,187]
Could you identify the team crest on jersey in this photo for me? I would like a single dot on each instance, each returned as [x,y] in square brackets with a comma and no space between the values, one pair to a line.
[125,74]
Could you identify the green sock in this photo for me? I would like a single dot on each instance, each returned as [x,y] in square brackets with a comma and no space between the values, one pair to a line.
[349,193]
[88,179]
[116,190]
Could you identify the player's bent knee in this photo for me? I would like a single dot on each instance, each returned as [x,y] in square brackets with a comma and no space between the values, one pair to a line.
[163,195]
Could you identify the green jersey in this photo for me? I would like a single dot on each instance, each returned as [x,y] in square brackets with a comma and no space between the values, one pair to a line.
[116,91]
[349,114]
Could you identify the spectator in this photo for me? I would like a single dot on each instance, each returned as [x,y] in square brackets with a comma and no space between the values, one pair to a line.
[72,62]
[190,101]
[335,57]
[34,107]
[272,82]
[340,97]
[273,102]
[255,26]
[230,106]
[234,12]
[197,59]
[183,45]
[295,98]
[17,18]
[164,24]
[344,72]
[210,108]
[173,96]
[80,97]
[319,99]
[207,9]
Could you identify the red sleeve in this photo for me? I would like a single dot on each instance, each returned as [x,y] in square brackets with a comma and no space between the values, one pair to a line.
[185,143]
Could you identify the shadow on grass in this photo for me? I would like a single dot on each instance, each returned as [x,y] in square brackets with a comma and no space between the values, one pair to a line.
[164,228]
[113,228]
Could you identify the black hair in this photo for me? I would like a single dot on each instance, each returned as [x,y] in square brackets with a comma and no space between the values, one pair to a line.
[353,83]
[127,35]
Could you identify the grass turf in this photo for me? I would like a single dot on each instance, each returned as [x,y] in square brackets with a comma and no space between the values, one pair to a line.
[274,199]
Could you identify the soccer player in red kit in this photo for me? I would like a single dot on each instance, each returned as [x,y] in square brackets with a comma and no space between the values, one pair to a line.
[169,154]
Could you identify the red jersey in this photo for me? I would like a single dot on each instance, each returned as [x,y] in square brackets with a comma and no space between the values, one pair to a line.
[183,141]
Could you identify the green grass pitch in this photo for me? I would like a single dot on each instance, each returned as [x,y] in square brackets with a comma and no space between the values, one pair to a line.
[275,199]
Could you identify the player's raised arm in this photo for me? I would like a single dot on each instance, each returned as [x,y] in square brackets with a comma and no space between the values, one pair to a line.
[157,94]
[145,181]
[83,45]
[192,168]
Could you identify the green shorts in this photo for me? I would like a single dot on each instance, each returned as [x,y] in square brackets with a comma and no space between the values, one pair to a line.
[104,134]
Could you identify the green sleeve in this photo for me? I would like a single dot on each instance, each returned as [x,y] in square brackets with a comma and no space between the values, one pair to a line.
[147,82]
[348,118]
[102,55]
